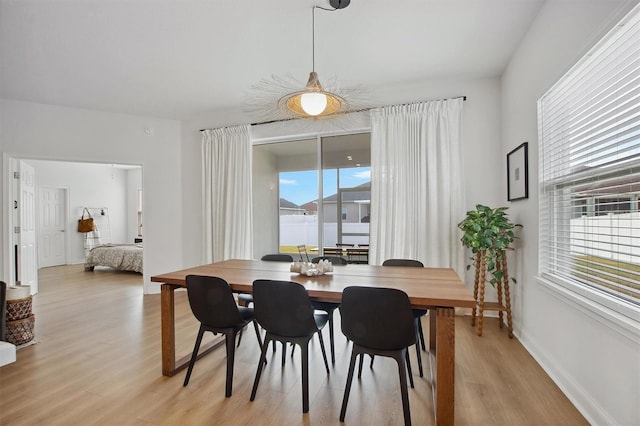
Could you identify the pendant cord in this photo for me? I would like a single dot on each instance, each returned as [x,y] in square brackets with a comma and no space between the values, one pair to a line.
[313,39]
[313,34]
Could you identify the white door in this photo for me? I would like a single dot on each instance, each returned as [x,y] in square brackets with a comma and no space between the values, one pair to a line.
[28,255]
[51,227]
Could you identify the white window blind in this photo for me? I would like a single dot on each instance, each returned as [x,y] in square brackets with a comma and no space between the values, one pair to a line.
[589,169]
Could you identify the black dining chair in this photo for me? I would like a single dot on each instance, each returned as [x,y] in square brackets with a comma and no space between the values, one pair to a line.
[212,304]
[284,310]
[278,257]
[246,299]
[335,260]
[383,326]
[417,313]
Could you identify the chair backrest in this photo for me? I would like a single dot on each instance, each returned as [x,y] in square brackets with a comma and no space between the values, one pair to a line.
[277,257]
[283,308]
[335,260]
[212,302]
[403,262]
[302,251]
[3,309]
[379,318]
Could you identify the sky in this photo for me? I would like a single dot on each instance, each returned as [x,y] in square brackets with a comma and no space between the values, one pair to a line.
[302,187]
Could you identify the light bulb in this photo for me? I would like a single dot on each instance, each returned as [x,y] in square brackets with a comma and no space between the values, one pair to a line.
[313,103]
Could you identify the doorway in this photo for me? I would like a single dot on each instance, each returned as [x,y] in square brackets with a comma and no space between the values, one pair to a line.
[60,190]
[52,213]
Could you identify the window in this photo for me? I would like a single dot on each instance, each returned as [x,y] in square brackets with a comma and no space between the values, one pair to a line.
[320,188]
[589,132]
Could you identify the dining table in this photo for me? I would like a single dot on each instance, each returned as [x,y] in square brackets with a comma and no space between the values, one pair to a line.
[438,289]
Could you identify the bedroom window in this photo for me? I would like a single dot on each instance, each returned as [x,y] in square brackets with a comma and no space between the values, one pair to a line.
[589,152]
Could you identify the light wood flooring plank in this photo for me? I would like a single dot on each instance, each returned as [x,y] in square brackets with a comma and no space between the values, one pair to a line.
[97,362]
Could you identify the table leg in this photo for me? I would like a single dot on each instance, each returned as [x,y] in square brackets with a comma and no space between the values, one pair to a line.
[445,365]
[168,326]
[170,364]
[432,329]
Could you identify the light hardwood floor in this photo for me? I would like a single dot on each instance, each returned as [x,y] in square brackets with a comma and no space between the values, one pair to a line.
[97,361]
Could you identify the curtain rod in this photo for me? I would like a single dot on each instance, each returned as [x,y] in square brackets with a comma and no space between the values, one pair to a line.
[464,98]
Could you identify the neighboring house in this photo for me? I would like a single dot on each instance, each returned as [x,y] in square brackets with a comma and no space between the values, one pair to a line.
[289,208]
[354,206]
[310,208]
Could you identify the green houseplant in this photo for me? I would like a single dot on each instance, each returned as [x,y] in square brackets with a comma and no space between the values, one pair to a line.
[489,231]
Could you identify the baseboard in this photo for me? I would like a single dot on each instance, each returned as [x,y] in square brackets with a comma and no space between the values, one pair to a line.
[587,406]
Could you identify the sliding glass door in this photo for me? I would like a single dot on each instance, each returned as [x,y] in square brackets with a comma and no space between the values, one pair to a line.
[346,194]
[314,192]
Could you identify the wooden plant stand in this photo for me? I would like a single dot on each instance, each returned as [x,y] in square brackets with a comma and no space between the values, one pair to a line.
[481,305]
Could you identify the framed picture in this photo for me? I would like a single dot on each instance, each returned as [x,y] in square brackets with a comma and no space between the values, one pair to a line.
[518,173]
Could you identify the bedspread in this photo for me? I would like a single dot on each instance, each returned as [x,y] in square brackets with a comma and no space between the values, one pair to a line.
[124,257]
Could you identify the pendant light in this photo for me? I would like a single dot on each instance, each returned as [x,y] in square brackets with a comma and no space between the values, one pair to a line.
[314,100]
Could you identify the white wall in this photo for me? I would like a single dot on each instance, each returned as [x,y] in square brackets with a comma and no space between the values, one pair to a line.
[483,159]
[88,185]
[595,362]
[37,131]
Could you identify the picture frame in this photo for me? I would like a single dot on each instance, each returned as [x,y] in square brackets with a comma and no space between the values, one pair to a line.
[518,173]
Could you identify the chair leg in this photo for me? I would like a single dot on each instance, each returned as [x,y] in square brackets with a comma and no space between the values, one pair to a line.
[371,364]
[324,353]
[258,336]
[240,337]
[304,354]
[257,329]
[284,352]
[194,355]
[347,389]
[417,321]
[403,387]
[263,358]
[422,344]
[360,366]
[331,341]
[406,353]
[230,337]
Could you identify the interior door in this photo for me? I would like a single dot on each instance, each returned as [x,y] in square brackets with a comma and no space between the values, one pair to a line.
[28,255]
[51,227]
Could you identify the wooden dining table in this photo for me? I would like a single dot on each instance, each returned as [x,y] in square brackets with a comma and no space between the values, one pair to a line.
[438,289]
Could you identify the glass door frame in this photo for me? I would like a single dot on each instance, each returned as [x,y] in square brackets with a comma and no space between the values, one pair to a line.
[340,191]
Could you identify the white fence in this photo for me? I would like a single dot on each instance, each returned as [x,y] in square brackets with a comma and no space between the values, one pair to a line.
[303,229]
[614,236]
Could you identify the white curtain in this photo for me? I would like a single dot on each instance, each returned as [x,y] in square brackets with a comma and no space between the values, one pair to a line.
[417,196]
[226,166]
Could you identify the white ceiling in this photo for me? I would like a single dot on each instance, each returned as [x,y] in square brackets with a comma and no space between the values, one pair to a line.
[179,58]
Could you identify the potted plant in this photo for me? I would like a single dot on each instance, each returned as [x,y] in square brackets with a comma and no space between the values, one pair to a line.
[489,231]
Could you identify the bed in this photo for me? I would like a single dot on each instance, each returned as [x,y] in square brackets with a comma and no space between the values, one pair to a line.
[123,257]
